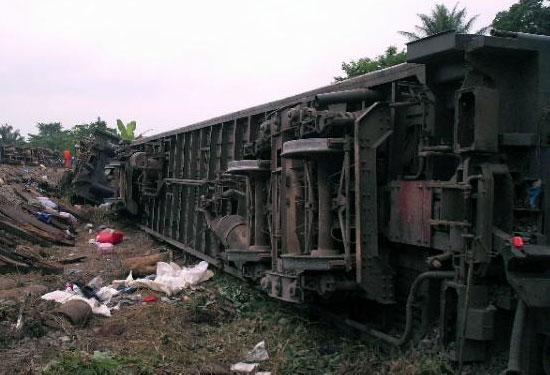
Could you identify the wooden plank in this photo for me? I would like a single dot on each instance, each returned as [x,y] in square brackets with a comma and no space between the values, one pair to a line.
[13,228]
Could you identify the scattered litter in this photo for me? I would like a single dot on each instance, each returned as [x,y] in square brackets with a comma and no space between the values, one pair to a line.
[19,323]
[127,290]
[46,202]
[70,217]
[244,368]
[170,278]
[110,236]
[150,298]
[44,217]
[105,247]
[62,297]
[258,353]
[96,282]
[106,293]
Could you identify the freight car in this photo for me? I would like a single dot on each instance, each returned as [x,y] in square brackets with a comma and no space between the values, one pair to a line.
[416,190]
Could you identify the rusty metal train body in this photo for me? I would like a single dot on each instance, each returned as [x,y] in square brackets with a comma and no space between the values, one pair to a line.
[419,188]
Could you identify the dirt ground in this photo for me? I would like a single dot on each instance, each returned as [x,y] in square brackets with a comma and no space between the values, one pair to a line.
[203,330]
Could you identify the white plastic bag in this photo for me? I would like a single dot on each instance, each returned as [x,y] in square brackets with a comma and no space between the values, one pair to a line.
[170,278]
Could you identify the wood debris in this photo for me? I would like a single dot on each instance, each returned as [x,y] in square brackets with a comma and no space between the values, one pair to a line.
[22,223]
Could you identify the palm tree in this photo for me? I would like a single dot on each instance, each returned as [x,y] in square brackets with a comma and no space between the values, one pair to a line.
[443,19]
[10,137]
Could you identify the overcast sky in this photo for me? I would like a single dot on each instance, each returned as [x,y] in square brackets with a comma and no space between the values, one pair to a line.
[167,64]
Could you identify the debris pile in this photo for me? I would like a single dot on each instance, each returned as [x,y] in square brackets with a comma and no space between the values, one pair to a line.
[29,217]
[30,156]
[40,176]
[169,279]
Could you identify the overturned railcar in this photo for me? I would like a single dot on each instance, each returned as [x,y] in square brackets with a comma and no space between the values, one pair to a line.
[418,188]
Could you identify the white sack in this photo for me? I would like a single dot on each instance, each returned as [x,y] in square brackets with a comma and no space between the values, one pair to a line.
[62,296]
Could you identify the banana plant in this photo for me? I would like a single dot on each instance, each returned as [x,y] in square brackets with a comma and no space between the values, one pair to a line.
[126,131]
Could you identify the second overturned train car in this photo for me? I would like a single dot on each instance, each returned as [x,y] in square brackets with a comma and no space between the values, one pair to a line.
[417,192]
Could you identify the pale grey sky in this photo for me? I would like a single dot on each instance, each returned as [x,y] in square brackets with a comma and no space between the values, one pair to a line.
[167,64]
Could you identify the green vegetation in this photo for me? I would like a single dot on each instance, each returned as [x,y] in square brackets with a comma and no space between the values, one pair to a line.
[216,323]
[83,131]
[9,136]
[97,364]
[127,132]
[443,19]
[365,65]
[52,136]
[440,19]
[527,16]
[301,343]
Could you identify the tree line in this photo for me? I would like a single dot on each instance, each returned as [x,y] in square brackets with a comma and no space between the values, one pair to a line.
[527,16]
[52,135]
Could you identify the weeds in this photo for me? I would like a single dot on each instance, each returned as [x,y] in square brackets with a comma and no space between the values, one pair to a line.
[221,320]
[97,364]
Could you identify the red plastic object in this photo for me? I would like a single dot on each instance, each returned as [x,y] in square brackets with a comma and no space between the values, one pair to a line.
[150,298]
[517,242]
[68,159]
[110,236]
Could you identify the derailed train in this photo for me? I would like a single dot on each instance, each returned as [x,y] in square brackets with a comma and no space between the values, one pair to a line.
[418,190]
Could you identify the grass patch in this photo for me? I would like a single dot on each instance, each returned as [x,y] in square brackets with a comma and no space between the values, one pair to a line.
[97,364]
[218,322]
[299,343]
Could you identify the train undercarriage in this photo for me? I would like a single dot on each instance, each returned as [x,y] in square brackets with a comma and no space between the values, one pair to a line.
[418,188]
